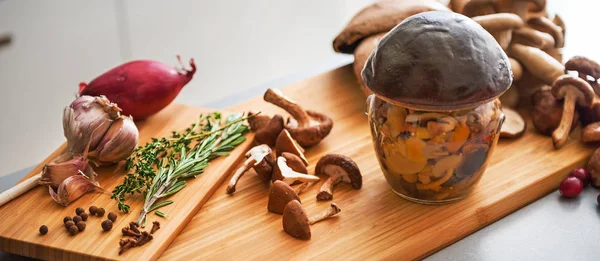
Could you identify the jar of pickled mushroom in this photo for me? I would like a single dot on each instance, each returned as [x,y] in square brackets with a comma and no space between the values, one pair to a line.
[434,113]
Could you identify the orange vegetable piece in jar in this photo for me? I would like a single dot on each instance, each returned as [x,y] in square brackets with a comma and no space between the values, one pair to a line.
[458,138]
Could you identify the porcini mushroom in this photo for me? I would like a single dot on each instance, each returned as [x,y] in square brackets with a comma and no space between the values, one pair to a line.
[573,90]
[479,7]
[257,121]
[585,67]
[285,143]
[514,126]
[288,175]
[269,133]
[292,161]
[537,62]
[531,37]
[545,25]
[339,168]
[297,223]
[280,195]
[500,26]
[308,128]
[261,159]
[547,112]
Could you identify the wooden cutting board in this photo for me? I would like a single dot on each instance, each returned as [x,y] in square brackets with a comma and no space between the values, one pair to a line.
[374,223]
[22,217]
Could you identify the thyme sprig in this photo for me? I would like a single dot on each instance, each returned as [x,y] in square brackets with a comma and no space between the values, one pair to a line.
[160,168]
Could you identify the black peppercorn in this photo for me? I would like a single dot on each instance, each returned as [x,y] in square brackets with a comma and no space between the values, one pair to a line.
[107,225]
[84,216]
[100,212]
[112,216]
[93,210]
[73,230]
[67,219]
[76,219]
[69,223]
[78,211]
[81,226]
[43,230]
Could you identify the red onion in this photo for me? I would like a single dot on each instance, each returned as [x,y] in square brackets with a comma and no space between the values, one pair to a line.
[140,88]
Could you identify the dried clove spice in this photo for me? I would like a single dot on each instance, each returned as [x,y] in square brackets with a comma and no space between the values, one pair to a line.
[135,237]
[155,226]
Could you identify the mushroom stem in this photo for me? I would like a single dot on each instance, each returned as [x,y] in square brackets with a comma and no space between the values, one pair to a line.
[275,97]
[536,61]
[503,38]
[559,136]
[520,8]
[326,191]
[330,212]
[300,188]
[238,174]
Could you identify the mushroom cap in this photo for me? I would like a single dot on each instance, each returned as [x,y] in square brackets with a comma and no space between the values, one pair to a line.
[584,92]
[361,54]
[499,22]
[295,220]
[268,134]
[336,164]
[438,61]
[293,161]
[536,5]
[547,112]
[531,37]
[285,143]
[313,134]
[546,25]
[514,126]
[583,65]
[471,8]
[280,195]
[257,121]
[264,160]
[380,17]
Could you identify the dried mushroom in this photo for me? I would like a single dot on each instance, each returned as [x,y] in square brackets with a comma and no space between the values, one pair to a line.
[285,143]
[574,91]
[547,112]
[288,175]
[340,169]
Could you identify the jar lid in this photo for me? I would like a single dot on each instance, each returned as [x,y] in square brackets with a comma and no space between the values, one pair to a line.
[438,61]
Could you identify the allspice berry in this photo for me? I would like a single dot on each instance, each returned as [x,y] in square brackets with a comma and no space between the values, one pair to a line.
[100,212]
[78,211]
[112,216]
[93,210]
[69,223]
[107,225]
[76,219]
[43,230]
[81,226]
[73,230]
[84,216]
[67,219]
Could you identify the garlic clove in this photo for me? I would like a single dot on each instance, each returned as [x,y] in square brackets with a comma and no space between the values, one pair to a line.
[55,173]
[118,143]
[73,188]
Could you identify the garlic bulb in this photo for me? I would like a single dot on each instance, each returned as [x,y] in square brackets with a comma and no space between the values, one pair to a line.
[55,173]
[118,142]
[86,121]
[73,188]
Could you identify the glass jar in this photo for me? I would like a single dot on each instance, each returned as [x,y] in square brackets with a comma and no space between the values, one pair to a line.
[433,157]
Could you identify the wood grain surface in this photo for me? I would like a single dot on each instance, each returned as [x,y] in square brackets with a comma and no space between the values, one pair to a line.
[22,217]
[374,223]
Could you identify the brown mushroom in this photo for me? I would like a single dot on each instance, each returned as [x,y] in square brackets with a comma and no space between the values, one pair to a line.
[285,173]
[269,133]
[531,37]
[285,143]
[458,5]
[362,52]
[511,97]
[339,168]
[500,26]
[591,132]
[279,196]
[585,67]
[308,128]
[522,7]
[514,126]
[261,159]
[557,20]
[257,121]
[479,7]
[537,62]
[545,25]
[297,223]
[516,69]
[574,91]
[292,161]
[547,112]
[593,166]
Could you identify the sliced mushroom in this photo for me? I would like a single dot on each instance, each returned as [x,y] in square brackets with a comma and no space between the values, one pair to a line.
[269,133]
[398,164]
[257,121]
[547,112]
[293,161]
[308,128]
[279,196]
[474,156]
[514,126]
[284,172]
[545,25]
[500,26]
[297,223]
[531,37]
[574,91]
[339,168]
[442,125]
[261,159]
[536,61]
[479,7]
[445,164]
[285,143]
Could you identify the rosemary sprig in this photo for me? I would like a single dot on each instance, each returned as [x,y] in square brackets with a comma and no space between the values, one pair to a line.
[161,167]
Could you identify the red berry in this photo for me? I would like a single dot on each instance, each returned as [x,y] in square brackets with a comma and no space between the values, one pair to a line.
[571,187]
[582,174]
